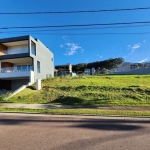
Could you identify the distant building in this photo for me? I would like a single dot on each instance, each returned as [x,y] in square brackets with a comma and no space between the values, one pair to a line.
[87,72]
[147,64]
[131,68]
[123,67]
[93,71]
[64,68]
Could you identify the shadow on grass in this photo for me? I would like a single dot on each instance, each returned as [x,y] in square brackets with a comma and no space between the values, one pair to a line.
[31,87]
[68,100]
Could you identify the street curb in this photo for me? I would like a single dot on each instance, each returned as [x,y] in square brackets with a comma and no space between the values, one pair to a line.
[64,115]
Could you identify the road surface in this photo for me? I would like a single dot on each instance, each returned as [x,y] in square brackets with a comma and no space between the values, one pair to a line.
[47,132]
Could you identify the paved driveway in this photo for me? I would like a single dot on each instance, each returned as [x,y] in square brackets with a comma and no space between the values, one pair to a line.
[46,132]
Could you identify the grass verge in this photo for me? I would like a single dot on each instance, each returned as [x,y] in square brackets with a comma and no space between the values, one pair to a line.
[78,112]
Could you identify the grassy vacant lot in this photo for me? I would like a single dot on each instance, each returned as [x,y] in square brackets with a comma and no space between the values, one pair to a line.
[106,90]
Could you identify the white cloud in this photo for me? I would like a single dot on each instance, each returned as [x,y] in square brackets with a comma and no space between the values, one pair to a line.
[68,44]
[134,47]
[129,46]
[72,48]
[99,56]
[61,45]
[143,60]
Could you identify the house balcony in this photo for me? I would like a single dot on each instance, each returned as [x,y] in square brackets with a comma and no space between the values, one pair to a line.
[21,68]
[16,49]
[11,55]
[8,52]
[16,72]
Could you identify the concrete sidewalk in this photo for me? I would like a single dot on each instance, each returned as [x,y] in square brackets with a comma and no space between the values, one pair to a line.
[53,106]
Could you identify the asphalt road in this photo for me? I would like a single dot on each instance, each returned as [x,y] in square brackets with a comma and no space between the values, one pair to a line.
[46,132]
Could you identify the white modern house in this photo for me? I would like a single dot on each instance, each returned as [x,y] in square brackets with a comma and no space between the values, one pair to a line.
[131,68]
[23,60]
[123,67]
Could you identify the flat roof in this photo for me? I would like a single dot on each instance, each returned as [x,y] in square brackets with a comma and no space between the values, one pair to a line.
[13,39]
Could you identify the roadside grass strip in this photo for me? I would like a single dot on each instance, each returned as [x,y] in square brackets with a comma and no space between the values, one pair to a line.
[77,112]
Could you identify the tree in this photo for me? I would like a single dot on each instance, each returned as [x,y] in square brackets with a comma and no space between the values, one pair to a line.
[108,64]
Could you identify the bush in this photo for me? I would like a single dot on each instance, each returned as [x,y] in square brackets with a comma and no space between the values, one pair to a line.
[4,96]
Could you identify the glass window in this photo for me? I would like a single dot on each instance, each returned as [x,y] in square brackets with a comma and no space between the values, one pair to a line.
[38,67]
[29,67]
[24,68]
[19,68]
[33,48]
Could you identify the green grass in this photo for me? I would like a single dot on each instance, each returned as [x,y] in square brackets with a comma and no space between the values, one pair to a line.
[106,90]
[78,111]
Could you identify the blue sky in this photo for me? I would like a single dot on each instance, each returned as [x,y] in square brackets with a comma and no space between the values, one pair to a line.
[82,45]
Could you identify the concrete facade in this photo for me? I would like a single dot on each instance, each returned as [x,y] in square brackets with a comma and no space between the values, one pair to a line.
[23,60]
[46,59]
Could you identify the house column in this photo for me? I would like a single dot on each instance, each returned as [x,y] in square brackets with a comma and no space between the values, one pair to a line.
[29,45]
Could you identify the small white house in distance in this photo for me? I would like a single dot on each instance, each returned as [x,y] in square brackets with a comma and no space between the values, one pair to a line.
[93,71]
[123,67]
[23,60]
[87,71]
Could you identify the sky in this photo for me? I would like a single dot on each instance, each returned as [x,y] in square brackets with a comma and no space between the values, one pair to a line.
[82,44]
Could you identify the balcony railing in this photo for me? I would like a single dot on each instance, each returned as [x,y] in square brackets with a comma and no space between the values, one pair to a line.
[16,69]
[7,52]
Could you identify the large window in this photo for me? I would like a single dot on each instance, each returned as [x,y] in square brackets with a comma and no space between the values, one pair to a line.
[38,67]
[19,68]
[24,68]
[33,48]
[30,68]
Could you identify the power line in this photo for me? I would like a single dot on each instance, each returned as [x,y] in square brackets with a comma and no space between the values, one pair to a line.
[102,33]
[78,11]
[76,25]
[78,29]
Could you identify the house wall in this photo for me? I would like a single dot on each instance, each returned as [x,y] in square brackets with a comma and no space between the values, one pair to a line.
[45,57]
